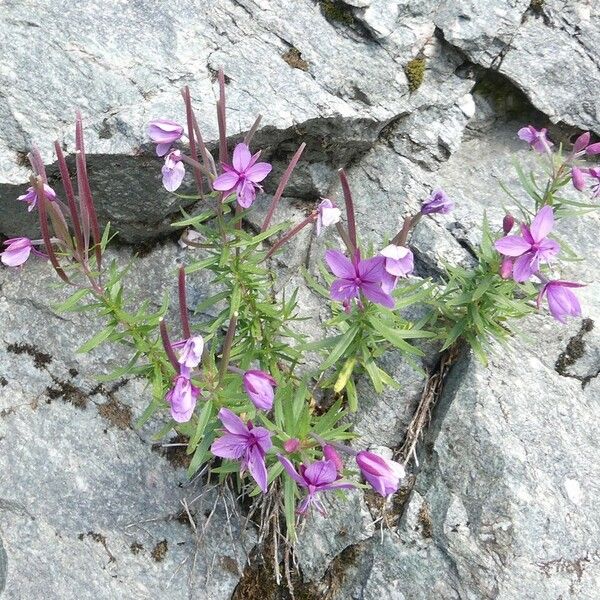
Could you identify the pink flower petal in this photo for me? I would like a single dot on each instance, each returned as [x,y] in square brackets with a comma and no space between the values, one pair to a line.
[291,471]
[339,264]
[371,269]
[512,245]
[241,157]
[320,473]
[257,468]
[258,172]
[375,294]
[226,182]
[343,290]
[229,446]
[525,266]
[232,422]
[542,224]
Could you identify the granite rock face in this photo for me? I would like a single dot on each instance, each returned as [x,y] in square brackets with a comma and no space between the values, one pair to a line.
[504,502]
[89,507]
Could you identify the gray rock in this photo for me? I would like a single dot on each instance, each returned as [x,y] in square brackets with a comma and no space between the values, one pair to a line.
[549,50]
[323,538]
[350,90]
[98,513]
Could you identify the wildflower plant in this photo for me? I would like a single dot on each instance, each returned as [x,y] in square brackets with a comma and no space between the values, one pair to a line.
[237,384]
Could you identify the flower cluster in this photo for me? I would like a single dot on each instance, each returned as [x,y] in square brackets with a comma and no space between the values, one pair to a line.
[231,385]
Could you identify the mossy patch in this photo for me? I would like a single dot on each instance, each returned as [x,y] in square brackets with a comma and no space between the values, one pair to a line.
[573,352]
[40,359]
[415,73]
[537,5]
[176,455]
[337,12]
[425,521]
[160,551]
[67,392]
[293,57]
[116,412]
[136,547]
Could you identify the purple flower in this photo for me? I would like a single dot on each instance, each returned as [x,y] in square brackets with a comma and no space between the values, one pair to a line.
[259,387]
[182,397]
[319,476]
[536,139]
[357,276]
[399,262]
[381,473]
[243,176]
[163,132]
[17,251]
[562,302]
[532,247]
[327,214]
[173,171]
[191,351]
[31,196]
[245,443]
[438,202]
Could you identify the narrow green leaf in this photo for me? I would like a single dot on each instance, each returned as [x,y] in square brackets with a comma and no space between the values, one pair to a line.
[95,341]
[72,301]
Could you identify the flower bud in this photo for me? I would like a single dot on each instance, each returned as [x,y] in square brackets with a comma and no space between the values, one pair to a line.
[259,387]
[593,149]
[507,223]
[330,453]
[581,143]
[381,473]
[578,178]
[506,268]
[291,445]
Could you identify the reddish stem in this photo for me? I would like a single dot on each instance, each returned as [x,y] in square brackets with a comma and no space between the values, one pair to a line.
[38,186]
[409,222]
[248,137]
[189,113]
[223,156]
[35,158]
[282,183]
[70,194]
[291,233]
[84,189]
[183,311]
[349,209]
[164,336]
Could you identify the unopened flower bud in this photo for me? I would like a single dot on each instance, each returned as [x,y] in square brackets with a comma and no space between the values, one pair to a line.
[259,387]
[508,223]
[330,453]
[291,445]
[506,268]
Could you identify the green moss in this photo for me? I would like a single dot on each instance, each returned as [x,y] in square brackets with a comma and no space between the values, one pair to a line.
[336,11]
[537,5]
[415,72]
